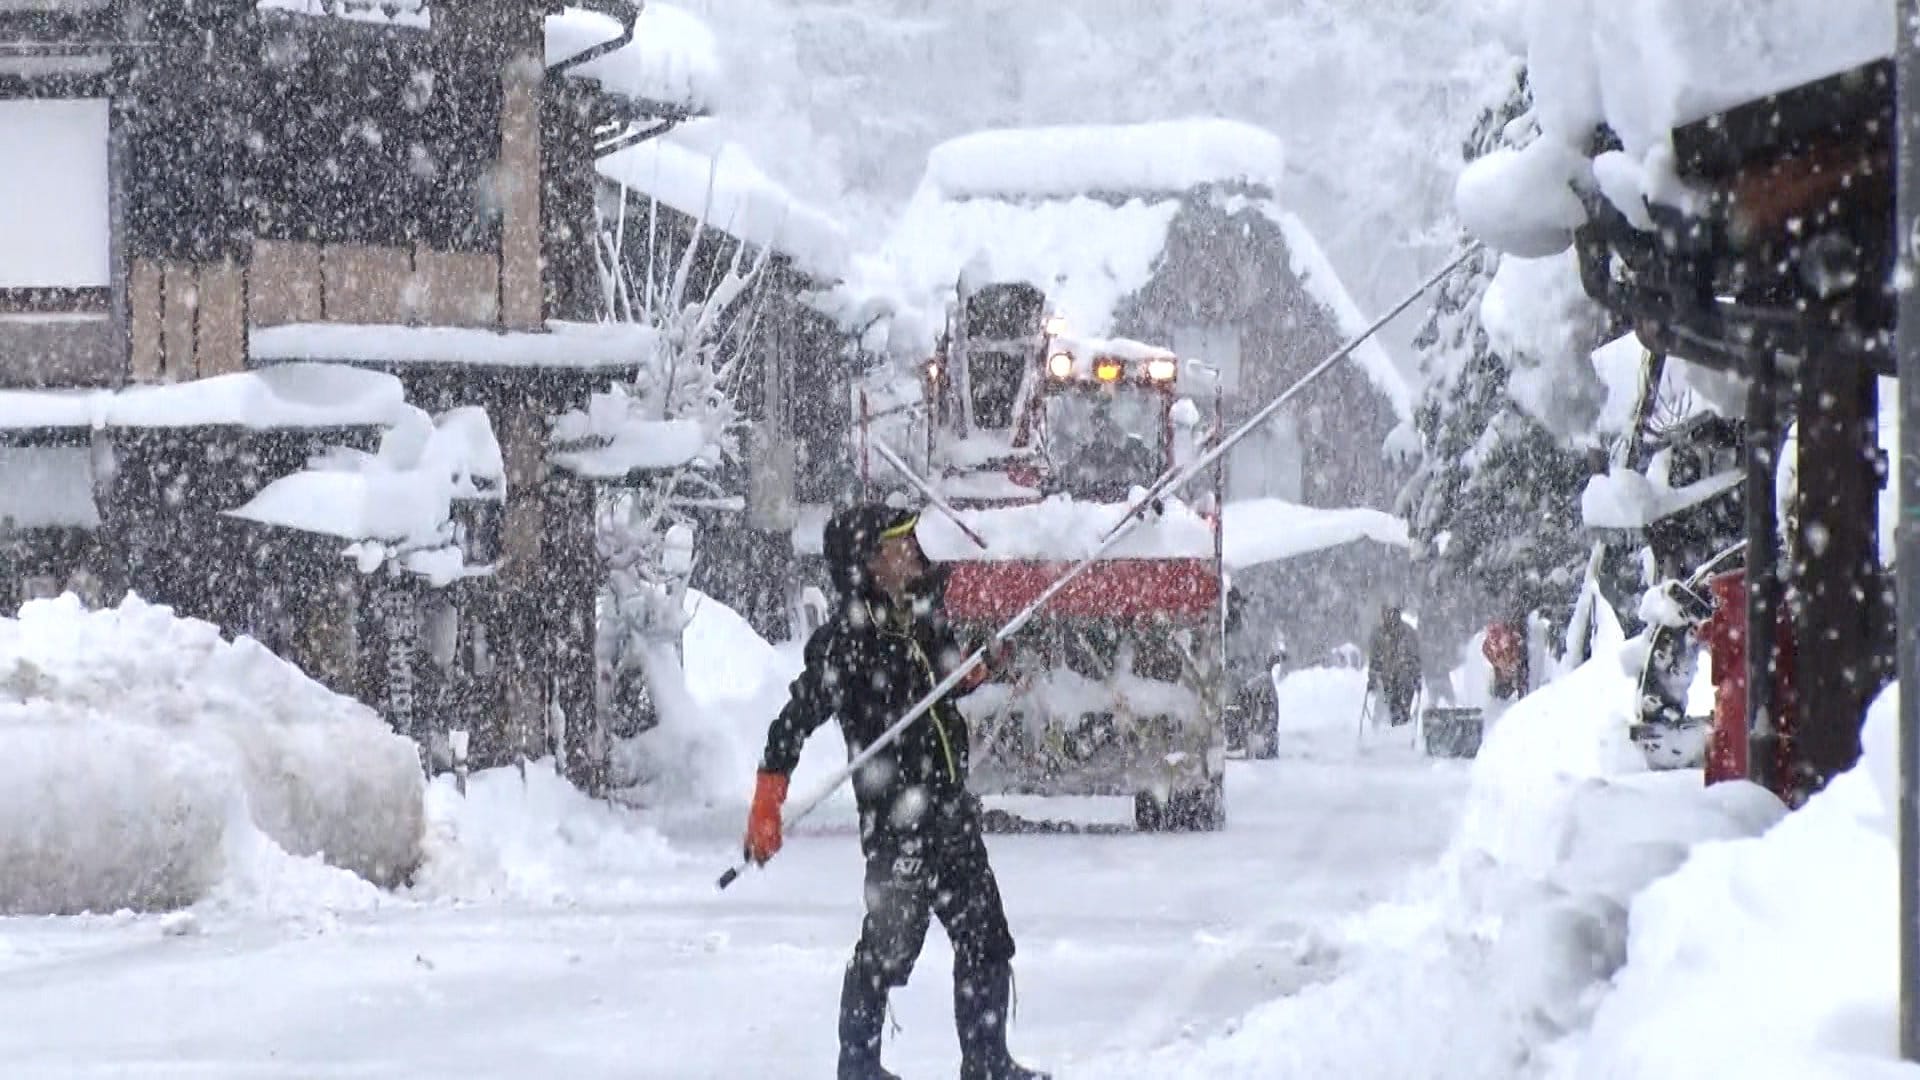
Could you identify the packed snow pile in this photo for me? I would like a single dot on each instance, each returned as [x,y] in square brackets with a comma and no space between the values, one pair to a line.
[533,838]
[1271,530]
[1644,67]
[670,59]
[700,174]
[1064,529]
[1809,909]
[717,702]
[138,750]
[1504,952]
[1160,158]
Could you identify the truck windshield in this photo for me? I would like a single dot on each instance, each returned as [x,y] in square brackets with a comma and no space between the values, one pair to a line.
[1104,440]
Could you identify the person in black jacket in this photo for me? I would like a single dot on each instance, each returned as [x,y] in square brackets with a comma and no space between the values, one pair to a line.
[885,648]
[1393,664]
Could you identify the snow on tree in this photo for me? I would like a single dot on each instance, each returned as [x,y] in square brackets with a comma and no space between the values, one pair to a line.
[1494,507]
[665,435]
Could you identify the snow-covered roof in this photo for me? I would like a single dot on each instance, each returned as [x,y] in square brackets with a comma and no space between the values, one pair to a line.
[726,188]
[1083,213]
[1315,271]
[413,13]
[1271,530]
[1642,69]
[585,346]
[1160,158]
[287,395]
[1087,254]
[672,59]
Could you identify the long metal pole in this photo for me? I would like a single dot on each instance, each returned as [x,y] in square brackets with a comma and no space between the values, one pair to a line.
[1907,534]
[1112,540]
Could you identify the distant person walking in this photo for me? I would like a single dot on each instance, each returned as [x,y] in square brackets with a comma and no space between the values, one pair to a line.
[1393,664]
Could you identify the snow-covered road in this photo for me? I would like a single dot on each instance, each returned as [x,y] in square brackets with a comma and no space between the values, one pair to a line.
[1128,942]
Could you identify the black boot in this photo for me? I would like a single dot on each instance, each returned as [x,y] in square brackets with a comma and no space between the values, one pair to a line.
[863,1015]
[982,996]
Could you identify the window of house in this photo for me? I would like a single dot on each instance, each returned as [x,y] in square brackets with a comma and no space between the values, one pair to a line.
[1269,463]
[1216,345]
[55,229]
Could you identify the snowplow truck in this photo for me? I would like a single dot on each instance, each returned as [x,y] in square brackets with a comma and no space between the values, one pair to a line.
[1039,442]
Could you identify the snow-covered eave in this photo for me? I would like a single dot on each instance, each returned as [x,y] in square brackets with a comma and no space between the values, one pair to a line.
[665,66]
[295,395]
[623,348]
[727,190]
[1315,271]
[1260,531]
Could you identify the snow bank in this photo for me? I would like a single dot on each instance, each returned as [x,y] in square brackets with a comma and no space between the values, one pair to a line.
[1506,949]
[1810,908]
[729,686]
[1644,67]
[1166,157]
[535,839]
[136,748]
[1061,529]
[671,60]
[1269,530]
[723,186]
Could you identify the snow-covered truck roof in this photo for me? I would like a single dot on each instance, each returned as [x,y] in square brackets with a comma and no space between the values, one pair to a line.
[1060,529]
[1084,213]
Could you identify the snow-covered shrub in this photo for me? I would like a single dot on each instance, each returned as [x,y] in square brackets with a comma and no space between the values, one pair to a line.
[134,743]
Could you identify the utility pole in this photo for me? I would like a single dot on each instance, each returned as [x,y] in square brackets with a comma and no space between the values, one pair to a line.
[1907,536]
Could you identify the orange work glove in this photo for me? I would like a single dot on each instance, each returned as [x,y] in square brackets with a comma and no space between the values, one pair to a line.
[763,821]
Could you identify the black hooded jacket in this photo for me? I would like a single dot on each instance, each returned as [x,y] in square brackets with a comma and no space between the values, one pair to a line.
[867,666]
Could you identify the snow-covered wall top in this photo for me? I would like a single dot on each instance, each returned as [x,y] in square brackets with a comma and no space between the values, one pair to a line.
[724,186]
[414,13]
[562,345]
[1644,67]
[1161,158]
[287,395]
[671,60]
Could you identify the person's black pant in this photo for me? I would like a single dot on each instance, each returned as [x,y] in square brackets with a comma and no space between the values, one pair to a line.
[938,870]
